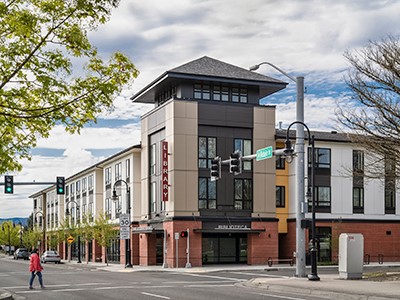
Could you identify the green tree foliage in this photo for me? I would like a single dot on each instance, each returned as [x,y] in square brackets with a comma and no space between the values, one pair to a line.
[9,234]
[374,79]
[50,73]
[103,231]
[31,238]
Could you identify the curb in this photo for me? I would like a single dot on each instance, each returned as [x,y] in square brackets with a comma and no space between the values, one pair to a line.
[312,292]
[5,295]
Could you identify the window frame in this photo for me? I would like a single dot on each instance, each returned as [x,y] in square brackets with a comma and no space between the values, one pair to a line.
[243,203]
[280,196]
[207,193]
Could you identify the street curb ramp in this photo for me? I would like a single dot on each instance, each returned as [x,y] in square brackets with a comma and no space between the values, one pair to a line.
[4,295]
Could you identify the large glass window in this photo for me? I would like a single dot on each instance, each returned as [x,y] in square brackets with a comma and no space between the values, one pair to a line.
[322,158]
[207,193]
[280,196]
[153,159]
[358,200]
[207,151]
[245,147]
[243,194]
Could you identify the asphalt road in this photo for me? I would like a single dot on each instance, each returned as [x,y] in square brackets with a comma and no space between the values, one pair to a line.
[74,281]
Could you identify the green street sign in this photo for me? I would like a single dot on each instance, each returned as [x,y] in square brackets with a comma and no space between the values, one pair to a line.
[264,153]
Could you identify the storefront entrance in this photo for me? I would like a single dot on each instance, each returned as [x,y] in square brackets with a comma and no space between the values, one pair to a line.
[224,248]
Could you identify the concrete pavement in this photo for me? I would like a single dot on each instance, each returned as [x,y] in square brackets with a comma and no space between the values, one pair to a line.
[330,286]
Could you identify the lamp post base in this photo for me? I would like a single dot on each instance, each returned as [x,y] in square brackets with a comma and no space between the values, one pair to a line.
[128,266]
[313,277]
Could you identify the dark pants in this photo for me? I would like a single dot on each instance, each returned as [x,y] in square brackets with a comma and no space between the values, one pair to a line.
[39,275]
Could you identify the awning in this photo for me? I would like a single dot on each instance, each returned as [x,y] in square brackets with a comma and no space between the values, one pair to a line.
[148,229]
[229,230]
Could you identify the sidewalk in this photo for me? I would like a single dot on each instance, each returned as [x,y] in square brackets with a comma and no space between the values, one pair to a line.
[330,286]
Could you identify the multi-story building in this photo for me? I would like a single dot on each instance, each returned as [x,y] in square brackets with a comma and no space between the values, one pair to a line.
[180,217]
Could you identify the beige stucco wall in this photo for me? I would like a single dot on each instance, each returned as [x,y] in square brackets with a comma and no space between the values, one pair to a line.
[264,171]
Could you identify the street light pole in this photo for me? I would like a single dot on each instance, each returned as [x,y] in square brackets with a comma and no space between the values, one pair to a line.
[310,193]
[300,174]
[114,197]
[79,236]
[313,276]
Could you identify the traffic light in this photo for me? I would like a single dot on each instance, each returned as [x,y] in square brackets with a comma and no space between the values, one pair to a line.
[184,234]
[215,170]
[235,163]
[8,184]
[60,185]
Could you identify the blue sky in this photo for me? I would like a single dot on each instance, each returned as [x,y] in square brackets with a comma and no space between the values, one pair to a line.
[303,38]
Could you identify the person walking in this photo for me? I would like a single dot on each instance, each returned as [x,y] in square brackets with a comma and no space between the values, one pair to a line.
[35,268]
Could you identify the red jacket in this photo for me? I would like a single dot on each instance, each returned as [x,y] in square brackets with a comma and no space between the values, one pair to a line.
[34,264]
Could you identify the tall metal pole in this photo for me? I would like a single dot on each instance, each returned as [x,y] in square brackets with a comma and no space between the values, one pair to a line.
[128,241]
[300,174]
[313,276]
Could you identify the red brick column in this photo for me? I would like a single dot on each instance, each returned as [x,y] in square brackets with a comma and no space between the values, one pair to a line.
[263,245]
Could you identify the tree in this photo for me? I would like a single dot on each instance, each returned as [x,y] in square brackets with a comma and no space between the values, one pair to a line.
[43,45]
[374,79]
[103,232]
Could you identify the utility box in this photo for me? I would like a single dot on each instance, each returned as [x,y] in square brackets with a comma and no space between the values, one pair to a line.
[351,253]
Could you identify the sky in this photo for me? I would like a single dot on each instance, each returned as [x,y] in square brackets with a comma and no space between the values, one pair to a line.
[302,37]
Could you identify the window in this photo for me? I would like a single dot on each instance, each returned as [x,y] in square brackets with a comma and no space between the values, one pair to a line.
[358,161]
[127,168]
[225,94]
[207,151]
[207,193]
[108,208]
[243,95]
[280,196]
[202,91]
[153,197]
[153,159]
[108,175]
[322,197]
[244,146]
[78,187]
[84,184]
[217,93]
[243,194]
[322,158]
[280,162]
[358,200]
[90,182]
[390,186]
[235,95]
[118,171]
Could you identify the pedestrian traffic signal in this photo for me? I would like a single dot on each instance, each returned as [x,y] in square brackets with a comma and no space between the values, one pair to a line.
[8,184]
[215,169]
[235,163]
[184,233]
[60,185]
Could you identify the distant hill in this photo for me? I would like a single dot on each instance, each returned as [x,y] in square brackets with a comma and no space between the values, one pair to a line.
[24,221]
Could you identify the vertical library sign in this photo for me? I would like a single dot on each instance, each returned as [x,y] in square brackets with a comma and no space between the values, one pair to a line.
[164,171]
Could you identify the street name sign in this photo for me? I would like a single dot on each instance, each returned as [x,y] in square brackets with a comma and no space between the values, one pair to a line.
[264,153]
